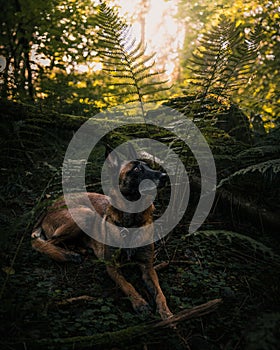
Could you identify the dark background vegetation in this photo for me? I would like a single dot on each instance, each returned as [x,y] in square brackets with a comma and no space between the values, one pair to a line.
[228,84]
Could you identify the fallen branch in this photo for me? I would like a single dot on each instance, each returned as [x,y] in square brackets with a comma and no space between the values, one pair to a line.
[187,314]
[161,265]
[74,299]
[122,337]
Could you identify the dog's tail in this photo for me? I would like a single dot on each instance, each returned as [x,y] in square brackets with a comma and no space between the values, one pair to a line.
[47,247]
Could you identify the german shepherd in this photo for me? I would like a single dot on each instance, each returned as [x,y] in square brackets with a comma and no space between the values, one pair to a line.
[57,228]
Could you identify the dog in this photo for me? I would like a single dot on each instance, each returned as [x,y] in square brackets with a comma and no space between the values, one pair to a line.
[57,228]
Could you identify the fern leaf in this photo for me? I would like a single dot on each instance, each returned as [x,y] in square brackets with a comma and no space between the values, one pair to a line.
[220,64]
[271,166]
[230,236]
[125,60]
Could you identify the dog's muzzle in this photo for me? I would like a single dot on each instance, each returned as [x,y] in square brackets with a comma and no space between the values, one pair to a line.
[162,180]
[148,186]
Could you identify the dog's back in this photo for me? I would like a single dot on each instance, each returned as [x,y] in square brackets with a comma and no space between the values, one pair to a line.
[57,226]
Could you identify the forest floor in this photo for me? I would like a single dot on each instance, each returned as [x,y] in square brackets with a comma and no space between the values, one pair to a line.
[44,301]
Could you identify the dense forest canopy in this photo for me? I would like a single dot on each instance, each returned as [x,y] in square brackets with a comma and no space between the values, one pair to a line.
[49,45]
[65,61]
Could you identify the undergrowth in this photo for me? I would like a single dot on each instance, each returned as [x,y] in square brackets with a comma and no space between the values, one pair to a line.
[37,301]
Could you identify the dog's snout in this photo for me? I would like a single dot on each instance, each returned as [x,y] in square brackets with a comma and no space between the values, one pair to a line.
[163,177]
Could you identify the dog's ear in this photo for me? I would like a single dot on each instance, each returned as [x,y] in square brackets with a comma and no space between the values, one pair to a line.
[114,161]
[132,154]
[108,150]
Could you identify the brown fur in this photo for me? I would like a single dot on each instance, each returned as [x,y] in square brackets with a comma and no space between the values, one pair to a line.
[57,231]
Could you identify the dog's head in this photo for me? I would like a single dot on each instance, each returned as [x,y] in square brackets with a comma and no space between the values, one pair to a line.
[132,176]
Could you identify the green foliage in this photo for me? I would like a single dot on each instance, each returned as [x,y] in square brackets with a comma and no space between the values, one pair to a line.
[209,264]
[213,263]
[37,41]
[269,169]
[133,74]
[262,95]
[217,119]
[264,334]
[222,62]
[255,245]
[254,171]
[74,56]
[79,93]
[257,24]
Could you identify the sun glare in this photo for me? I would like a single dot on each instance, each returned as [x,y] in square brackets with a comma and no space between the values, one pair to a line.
[163,34]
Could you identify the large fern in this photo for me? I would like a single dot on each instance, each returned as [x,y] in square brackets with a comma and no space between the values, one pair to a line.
[132,72]
[222,61]
[257,166]
[269,169]
[242,239]
[220,66]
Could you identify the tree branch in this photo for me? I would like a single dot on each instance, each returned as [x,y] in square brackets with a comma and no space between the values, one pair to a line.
[123,337]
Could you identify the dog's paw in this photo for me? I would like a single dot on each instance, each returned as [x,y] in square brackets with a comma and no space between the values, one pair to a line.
[165,313]
[141,307]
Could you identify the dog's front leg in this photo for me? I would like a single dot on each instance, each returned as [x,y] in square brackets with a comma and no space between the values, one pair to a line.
[151,280]
[138,303]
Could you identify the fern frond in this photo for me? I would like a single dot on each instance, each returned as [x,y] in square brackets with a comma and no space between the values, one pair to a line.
[267,169]
[255,245]
[125,60]
[221,65]
[258,152]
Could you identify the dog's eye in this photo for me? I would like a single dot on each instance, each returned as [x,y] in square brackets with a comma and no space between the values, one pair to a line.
[137,169]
